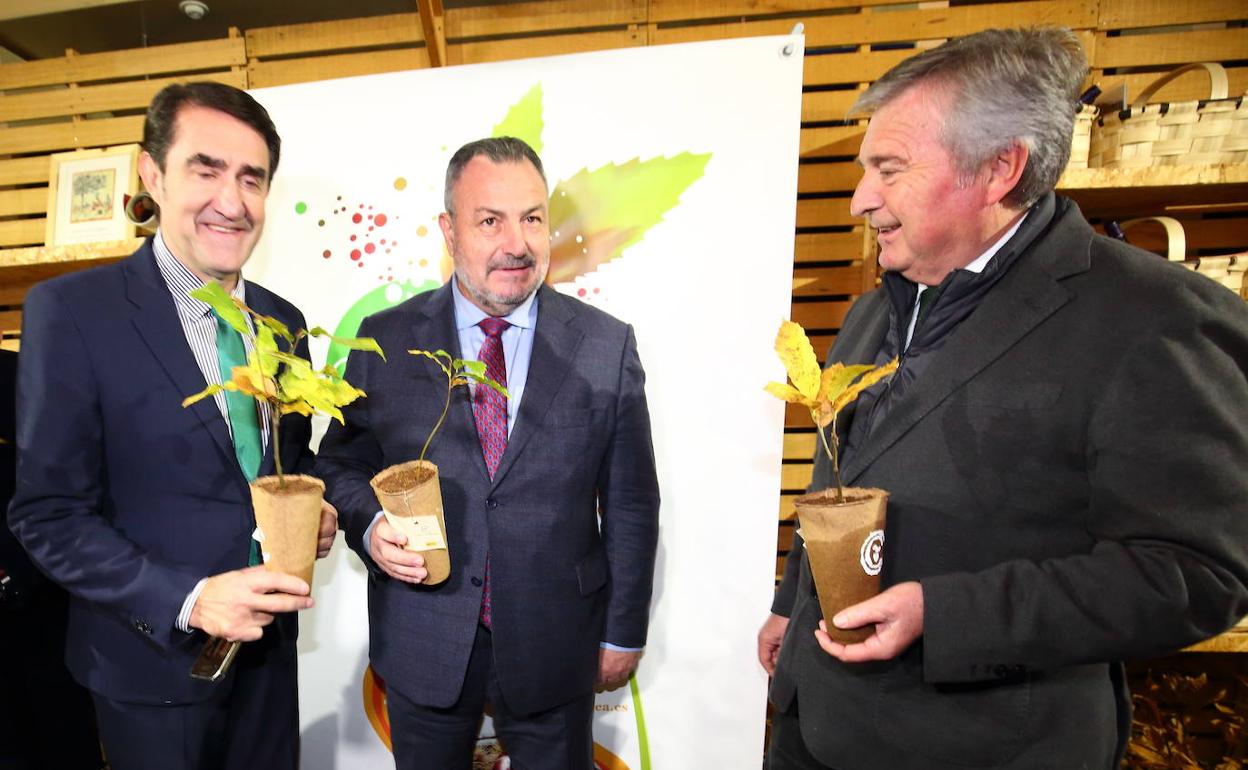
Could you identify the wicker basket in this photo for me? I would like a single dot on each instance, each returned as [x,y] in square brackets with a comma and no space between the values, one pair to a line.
[1204,132]
[1081,140]
[1227,269]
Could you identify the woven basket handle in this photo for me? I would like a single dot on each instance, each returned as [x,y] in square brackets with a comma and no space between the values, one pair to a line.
[1176,240]
[1218,86]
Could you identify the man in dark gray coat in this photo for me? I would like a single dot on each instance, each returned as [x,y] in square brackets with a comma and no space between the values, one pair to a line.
[1064,444]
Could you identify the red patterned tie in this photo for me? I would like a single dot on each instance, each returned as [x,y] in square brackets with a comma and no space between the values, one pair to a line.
[489,408]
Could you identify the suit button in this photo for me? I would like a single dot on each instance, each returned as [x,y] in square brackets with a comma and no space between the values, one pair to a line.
[476,581]
[491,504]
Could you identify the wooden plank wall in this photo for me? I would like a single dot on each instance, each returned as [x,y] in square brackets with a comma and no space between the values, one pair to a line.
[94,100]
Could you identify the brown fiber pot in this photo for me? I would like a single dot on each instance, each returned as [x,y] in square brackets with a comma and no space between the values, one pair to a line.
[844,543]
[289,516]
[411,496]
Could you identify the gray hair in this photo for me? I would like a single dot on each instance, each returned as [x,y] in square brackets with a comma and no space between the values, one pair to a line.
[1002,86]
[499,149]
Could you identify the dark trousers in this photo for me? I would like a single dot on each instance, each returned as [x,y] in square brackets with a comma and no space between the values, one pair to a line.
[251,720]
[426,738]
[787,750]
[46,719]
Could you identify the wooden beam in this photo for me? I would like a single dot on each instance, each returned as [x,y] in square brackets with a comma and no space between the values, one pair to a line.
[433,23]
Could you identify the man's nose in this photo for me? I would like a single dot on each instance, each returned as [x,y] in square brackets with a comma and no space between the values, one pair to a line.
[229,202]
[866,197]
[513,242]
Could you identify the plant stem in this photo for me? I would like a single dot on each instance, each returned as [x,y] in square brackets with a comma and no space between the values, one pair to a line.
[277,448]
[446,407]
[831,451]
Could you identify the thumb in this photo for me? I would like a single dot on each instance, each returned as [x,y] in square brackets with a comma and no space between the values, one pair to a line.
[857,615]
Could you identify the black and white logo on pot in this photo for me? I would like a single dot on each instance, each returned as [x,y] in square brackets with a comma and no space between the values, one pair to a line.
[872,555]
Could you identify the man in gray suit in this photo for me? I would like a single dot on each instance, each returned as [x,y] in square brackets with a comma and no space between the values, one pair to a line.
[1064,443]
[550,495]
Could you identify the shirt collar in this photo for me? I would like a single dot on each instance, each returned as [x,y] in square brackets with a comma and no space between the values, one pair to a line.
[468,315]
[181,281]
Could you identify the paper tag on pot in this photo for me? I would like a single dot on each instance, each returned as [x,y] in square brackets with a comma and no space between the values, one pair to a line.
[871,557]
[423,532]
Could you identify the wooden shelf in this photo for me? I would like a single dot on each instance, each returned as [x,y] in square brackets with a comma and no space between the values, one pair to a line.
[1155,189]
[29,265]
[1235,640]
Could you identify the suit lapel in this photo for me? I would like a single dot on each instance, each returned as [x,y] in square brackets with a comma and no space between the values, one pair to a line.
[555,342]
[156,321]
[1022,300]
[434,329]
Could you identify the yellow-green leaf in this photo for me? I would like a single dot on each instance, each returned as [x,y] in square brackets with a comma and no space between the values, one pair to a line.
[223,305]
[201,395]
[351,343]
[798,358]
[274,326]
[837,377]
[439,357]
[788,393]
[870,378]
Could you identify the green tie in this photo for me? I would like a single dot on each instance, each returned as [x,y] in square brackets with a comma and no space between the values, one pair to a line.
[927,297]
[242,409]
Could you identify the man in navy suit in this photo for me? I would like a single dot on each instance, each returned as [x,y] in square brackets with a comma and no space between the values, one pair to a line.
[550,495]
[141,508]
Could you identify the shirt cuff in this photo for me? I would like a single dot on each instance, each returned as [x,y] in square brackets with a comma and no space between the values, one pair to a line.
[183,622]
[618,648]
[368,534]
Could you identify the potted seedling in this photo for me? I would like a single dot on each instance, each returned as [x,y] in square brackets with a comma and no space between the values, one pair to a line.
[410,493]
[842,528]
[288,507]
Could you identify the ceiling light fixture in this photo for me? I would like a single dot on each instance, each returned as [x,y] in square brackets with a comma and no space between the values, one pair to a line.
[194,9]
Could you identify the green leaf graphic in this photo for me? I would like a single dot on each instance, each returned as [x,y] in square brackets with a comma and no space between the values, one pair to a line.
[524,119]
[596,215]
[643,740]
[387,295]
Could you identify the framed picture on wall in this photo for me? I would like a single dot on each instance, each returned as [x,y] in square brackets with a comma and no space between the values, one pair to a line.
[87,191]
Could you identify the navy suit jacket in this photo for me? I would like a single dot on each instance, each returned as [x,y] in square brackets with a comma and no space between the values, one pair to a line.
[1066,481]
[580,447]
[123,497]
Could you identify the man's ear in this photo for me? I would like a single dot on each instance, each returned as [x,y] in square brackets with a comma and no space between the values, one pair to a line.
[150,173]
[1005,169]
[448,231]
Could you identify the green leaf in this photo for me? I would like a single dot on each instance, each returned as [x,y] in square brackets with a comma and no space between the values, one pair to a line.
[596,215]
[524,119]
[488,382]
[351,343]
[223,305]
[471,366]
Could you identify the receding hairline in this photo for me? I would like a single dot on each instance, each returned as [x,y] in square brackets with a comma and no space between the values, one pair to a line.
[459,178]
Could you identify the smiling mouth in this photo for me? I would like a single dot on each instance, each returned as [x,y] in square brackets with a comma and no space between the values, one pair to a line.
[225,229]
[887,230]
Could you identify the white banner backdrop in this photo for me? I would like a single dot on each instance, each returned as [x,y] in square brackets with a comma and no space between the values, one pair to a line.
[673,173]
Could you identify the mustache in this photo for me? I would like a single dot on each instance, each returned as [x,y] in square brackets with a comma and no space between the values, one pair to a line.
[513,262]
